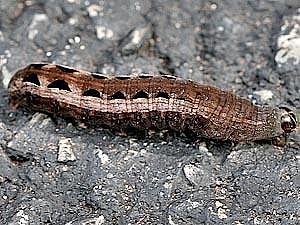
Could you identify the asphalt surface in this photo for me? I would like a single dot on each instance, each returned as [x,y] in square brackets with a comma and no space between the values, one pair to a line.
[52,172]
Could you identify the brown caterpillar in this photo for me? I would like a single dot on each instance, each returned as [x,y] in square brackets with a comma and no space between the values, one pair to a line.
[145,101]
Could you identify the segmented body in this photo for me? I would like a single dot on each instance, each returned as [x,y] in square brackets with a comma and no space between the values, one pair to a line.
[142,102]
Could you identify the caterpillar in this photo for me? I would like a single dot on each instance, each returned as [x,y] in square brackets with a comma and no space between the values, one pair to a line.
[145,101]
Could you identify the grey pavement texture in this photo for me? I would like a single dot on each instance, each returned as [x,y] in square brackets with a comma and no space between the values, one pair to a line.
[52,172]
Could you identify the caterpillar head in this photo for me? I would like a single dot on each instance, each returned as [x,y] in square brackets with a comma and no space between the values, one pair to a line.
[288,120]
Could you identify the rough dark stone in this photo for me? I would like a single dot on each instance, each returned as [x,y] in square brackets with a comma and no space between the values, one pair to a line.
[165,179]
